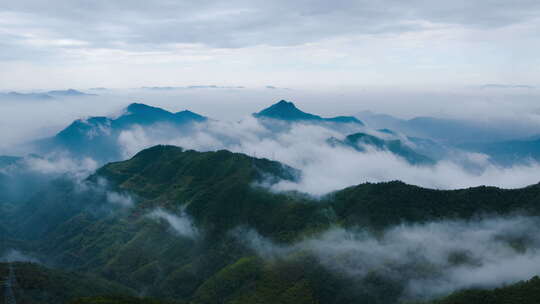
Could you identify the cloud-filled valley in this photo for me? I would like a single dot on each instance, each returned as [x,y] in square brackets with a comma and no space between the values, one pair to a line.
[304,145]
[325,168]
[432,259]
[292,152]
[418,260]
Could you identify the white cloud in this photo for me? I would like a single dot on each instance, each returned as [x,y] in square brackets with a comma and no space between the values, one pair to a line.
[456,254]
[313,43]
[120,199]
[59,165]
[181,224]
[325,168]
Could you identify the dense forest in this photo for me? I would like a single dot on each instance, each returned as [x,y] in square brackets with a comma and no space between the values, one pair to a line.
[189,227]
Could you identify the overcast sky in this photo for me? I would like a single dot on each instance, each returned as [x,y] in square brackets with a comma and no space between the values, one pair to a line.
[299,44]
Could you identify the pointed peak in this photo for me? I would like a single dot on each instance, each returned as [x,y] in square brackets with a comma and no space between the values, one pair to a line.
[187,114]
[284,102]
[136,106]
[286,110]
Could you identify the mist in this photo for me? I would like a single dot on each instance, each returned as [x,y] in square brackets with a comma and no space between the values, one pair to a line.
[13,255]
[22,121]
[326,168]
[302,146]
[269,151]
[180,224]
[429,260]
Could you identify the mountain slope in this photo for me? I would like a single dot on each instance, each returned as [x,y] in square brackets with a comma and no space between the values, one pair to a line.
[40,285]
[6,160]
[184,236]
[525,292]
[218,188]
[386,204]
[362,142]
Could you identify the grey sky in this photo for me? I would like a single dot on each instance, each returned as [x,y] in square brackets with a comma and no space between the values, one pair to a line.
[45,44]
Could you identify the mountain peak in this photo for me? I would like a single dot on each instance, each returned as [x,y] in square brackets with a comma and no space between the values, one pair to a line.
[136,106]
[142,109]
[139,113]
[283,102]
[188,115]
[286,110]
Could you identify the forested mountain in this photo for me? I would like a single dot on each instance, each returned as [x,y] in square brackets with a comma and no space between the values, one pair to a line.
[226,152]
[33,283]
[205,227]
[525,292]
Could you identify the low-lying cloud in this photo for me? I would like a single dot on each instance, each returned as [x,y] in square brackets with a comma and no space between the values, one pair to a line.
[430,259]
[121,199]
[326,168]
[181,224]
[301,146]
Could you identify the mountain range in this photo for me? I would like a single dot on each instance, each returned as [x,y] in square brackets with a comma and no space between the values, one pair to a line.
[44,96]
[362,141]
[98,137]
[445,130]
[175,225]
[197,220]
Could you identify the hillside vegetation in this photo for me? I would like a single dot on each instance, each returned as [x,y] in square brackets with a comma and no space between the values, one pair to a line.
[222,196]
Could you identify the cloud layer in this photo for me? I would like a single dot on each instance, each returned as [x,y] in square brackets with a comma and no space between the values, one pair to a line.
[325,168]
[430,259]
[180,224]
[242,23]
[300,43]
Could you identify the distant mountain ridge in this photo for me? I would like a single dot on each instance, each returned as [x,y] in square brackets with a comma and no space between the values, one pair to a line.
[97,137]
[443,130]
[287,111]
[362,141]
[508,152]
[25,96]
[68,93]
[44,95]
